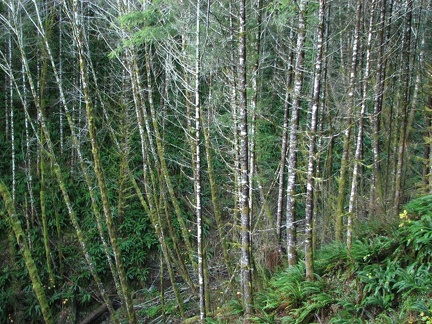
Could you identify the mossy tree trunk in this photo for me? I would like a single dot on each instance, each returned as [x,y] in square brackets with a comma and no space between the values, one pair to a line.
[154,203]
[78,33]
[343,172]
[29,262]
[15,26]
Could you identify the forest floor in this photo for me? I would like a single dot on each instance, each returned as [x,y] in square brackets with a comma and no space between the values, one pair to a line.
[384,278]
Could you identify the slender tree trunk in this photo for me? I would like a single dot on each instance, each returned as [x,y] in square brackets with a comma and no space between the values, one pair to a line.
[427,155]
[347,134]
[418,80]
[232,76]
[293,137]
[312,144]
[60,67]
[162,160]
[406,66]
[377,204]
[284,148]
[388,123]
[428,145]
[214,194]
[29,161]
[79,37]
[10,105]
[153,205]
[245,263]
[50,149]
[45,220]
[25,250]
[358,152]
[325,163]
[43,66]
[197,169]
[253,110]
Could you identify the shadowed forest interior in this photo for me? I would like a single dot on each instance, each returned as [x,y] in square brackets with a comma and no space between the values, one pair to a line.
[215,161]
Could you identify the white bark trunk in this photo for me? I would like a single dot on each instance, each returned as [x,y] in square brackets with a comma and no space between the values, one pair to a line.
[312,144]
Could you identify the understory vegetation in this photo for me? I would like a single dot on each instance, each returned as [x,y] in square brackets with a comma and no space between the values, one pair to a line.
[384,278]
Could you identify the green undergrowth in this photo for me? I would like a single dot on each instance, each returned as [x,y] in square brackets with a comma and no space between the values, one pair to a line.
[385,278]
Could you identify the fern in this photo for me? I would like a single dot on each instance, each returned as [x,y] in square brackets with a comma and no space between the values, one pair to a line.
[309,288]
[380,280]
[414,279]
[386,318]
[316,303]
[343,320]
[360,251]
[419,238]
[420,206]
[331,259]
[287,285]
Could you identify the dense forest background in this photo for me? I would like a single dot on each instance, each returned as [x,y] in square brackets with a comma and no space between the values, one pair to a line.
[184,150]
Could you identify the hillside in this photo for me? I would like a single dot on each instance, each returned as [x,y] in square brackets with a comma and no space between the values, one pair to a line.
[384,278]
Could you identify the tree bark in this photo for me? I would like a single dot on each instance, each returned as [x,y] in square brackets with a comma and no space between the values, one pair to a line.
[312,144]
[28,258]
[245,263]
[405,102]
[197,170]
[347,134]
[293,137]
[358,151]
[79,37]
[284,148]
